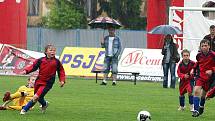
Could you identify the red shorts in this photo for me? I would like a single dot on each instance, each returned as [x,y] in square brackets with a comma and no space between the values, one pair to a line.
[40,90]
[205,84]
[185,87]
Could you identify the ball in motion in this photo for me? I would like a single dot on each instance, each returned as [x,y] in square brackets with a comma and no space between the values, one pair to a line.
[144,116]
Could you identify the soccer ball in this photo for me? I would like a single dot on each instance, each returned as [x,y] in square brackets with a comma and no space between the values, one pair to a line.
[144,116]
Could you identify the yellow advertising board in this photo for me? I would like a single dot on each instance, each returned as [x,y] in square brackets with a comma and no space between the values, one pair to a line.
[79,61]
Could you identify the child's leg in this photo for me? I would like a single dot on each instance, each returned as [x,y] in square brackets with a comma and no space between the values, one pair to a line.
[182,91]
[202,101]
[41,100]
[191,101]
[196,99]
[14,108]
[189,92]
[182,100]
[38,92]
[31,103]
[5,103]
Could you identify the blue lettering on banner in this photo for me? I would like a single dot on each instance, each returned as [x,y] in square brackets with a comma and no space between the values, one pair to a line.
[78,61]
[92,57]
[66,58]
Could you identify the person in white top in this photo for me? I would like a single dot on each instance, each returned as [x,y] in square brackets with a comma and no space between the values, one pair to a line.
[112,45]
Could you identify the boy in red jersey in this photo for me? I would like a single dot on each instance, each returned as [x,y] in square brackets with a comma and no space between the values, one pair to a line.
[47,66]
[206,63]
[186,80]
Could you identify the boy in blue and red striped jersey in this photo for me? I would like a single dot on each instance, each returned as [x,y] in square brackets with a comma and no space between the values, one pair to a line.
[206,63]
[47,66]
[186,80]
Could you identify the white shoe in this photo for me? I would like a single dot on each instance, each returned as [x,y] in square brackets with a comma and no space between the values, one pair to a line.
[22,112]
[191,108]
[43,109]
[181,108]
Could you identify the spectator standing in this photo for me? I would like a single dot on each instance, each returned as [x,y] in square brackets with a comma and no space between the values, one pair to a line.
[170,58]
[211,37]
[112,45]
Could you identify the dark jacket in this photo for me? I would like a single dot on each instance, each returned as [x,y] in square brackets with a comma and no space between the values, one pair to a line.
[212,41]
[174,55]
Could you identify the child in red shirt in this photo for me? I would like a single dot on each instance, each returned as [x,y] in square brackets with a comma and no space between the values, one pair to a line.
[205,63]
[186,80]
[48,66]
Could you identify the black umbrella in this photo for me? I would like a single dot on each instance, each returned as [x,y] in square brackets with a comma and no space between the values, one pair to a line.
[104,23]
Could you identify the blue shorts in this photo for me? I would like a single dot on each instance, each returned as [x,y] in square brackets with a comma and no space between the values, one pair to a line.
[110,63]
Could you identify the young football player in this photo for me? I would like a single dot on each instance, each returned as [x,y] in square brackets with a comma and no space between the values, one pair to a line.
[205,63]
[48,66]
[20,97]
[186,80]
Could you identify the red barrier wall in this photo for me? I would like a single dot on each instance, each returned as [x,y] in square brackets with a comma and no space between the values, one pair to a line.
[13,22]
[180,14]
[157,14]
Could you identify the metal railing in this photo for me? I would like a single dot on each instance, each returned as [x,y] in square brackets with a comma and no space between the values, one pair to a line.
[39,37]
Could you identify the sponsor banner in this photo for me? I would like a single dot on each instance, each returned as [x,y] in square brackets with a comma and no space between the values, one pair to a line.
[99,64]
[148,62]
[145,61]
[196,23]
[81,61]
[140,78]
[12,60]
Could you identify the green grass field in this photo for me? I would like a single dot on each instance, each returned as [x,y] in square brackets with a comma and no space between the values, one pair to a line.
[84,100]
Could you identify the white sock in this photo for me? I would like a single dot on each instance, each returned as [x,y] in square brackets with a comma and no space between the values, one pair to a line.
[104,81]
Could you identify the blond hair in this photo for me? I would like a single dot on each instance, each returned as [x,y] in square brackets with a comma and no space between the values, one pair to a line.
[49,46]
